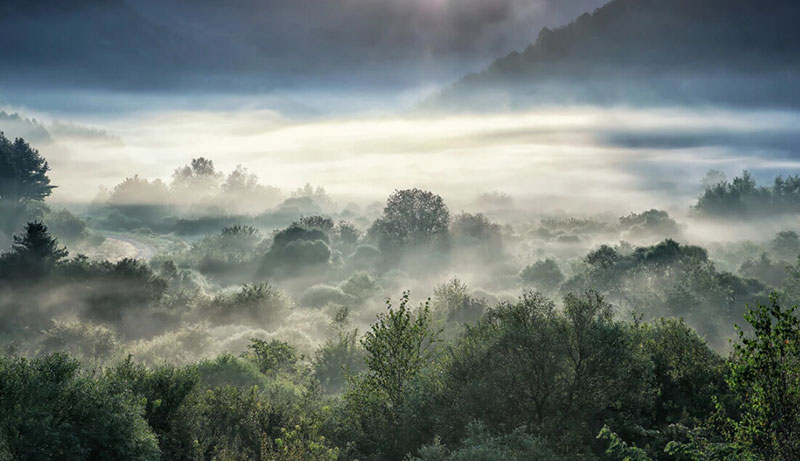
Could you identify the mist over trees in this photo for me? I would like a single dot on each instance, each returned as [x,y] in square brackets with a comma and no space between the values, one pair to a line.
[646,52]
[273,329]
[742,197]
[24,183]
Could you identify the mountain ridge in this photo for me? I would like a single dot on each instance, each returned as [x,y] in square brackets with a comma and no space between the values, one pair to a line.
[716,51]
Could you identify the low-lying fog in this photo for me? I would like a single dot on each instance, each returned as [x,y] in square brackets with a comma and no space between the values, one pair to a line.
[580,158]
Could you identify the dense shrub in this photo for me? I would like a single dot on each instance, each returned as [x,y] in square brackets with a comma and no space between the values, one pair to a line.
[51,410]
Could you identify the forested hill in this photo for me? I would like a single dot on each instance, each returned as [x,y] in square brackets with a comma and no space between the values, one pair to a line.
[650,51]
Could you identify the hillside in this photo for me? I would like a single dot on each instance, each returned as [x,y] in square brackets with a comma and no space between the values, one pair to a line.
[260,45]
[649,51]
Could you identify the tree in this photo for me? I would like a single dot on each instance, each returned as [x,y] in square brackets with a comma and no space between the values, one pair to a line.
[199,176]
[163,390]
[51,410]
[786,244]
[35,253]
[452,300]
[561,374]
[271,356]
[23,172]
[242,191]
[544,274]
[411,217]
[138,202]
[24,184]
[649,224]
[765,375]
[476,232]
[397,347]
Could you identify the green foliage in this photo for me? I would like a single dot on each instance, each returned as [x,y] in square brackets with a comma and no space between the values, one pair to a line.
[116,290]
[50,410]
[397,347]
[260,303]
[765,375]
[82,339]
[649,224]
[24,172]
[412,217]
[544,274]
[243,424]
[618,449]
[337,359]
[35,253]
[560,374]
[668,279]
[24,183]
[476,233]
[66,226]
[272,356]
[229,370]
[297,249]
[322,223]
[743,197]
[786,244]
[162,389]
[346,236]
[481,445]
[687,372]
[372,414]
[452,299]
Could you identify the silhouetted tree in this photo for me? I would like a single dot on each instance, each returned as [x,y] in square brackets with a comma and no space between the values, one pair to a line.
[35,253]
[24,183]
[411,217]
[23,172]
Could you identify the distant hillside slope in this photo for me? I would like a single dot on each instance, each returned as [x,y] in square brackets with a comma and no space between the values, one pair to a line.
[739,52]
[259,45]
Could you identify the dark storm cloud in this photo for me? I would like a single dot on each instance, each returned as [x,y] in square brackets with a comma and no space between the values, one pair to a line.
[264,44]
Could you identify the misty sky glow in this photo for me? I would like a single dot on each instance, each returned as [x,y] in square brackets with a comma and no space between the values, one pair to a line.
[658,161]
[300,56]
[321,92]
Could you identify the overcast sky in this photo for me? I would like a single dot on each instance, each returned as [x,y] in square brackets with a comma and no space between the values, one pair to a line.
[299,51]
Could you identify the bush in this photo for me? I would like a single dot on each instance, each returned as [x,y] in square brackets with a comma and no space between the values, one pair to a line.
[337,359]
[229,370]
[527,364]
[260,303]
[322,295]
[50,410]
[365,257]
[360,286]
[66,226]
[544,274]
[163,391]
[481,445]
[83,339]
[234,423]
[453,300]
[272,357]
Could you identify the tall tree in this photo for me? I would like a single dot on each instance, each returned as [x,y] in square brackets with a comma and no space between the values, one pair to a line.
[23,172]
[35,253]
[24,184]
[765,374]
[412,217]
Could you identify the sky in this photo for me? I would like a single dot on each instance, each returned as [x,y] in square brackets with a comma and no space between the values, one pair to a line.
[301,57]
[323,91]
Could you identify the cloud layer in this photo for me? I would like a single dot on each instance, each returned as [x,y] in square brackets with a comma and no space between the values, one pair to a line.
[264,44]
